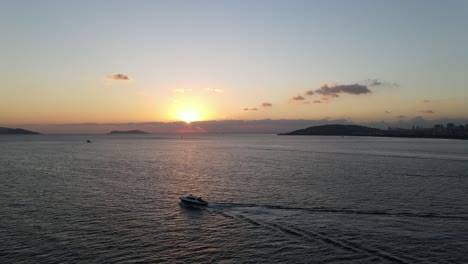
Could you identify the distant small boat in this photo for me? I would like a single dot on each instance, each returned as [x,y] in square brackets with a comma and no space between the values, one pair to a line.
[193,200]
[88,141]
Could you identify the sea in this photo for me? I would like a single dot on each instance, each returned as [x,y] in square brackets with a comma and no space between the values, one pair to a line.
[272,199]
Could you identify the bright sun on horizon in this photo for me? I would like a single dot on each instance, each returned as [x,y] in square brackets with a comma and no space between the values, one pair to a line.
[188,115]
[189,110]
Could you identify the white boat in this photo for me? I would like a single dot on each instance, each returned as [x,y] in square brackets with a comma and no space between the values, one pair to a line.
[193,200]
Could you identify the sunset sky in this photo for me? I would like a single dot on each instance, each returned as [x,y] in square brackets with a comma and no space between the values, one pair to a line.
[72,62]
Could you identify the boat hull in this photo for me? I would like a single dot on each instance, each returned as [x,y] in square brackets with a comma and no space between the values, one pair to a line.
[192,203]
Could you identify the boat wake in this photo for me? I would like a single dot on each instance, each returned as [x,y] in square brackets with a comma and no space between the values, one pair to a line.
[344,211]
[359,251]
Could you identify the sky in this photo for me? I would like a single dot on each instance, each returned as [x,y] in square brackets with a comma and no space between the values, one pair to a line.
[68,63]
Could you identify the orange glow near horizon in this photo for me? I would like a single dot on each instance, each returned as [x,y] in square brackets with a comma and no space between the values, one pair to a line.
[189,111]
[188,115]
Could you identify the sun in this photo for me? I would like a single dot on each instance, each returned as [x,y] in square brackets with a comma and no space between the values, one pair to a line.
[189,110]
[188,115]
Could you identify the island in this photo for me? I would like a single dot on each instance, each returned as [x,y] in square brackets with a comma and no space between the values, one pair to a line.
[16,131]
[338,130]
[451,131]
[133,132]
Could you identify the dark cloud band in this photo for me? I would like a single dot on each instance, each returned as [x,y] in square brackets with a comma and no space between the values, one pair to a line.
[335,90]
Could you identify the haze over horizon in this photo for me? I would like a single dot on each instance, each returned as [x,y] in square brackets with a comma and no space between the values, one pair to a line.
[87,67]
[265,126]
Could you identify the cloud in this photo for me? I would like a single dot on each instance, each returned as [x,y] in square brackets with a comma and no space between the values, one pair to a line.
[298,98]
[401,116]
[328,92]
[317,102]
[250,109]
[214,90]
[376,82]
[387,112]
[327,97]
[425,101]
[118,77]
[267,104]
[334,90]
[373,82]
[179,91]
[427,111]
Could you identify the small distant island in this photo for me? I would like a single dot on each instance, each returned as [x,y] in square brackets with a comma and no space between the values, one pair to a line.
[16,131]
[133,132]
[451,131]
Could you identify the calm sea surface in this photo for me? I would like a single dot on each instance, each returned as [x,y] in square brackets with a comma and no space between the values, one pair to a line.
[272,199]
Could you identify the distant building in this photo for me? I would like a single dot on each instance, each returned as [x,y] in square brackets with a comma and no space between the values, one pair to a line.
[438,129]
[450,128]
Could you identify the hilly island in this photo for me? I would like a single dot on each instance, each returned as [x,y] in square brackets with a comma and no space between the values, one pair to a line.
[439,131]
[16,131]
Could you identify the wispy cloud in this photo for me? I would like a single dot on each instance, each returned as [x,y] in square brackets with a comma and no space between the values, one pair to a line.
[250,109]
[214,90]
[387,112]
[425,101]
[317,102]
[427,112]
[298,98]
[401,116]
[267,104]
[376,82]
[118,77]
[310,92]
